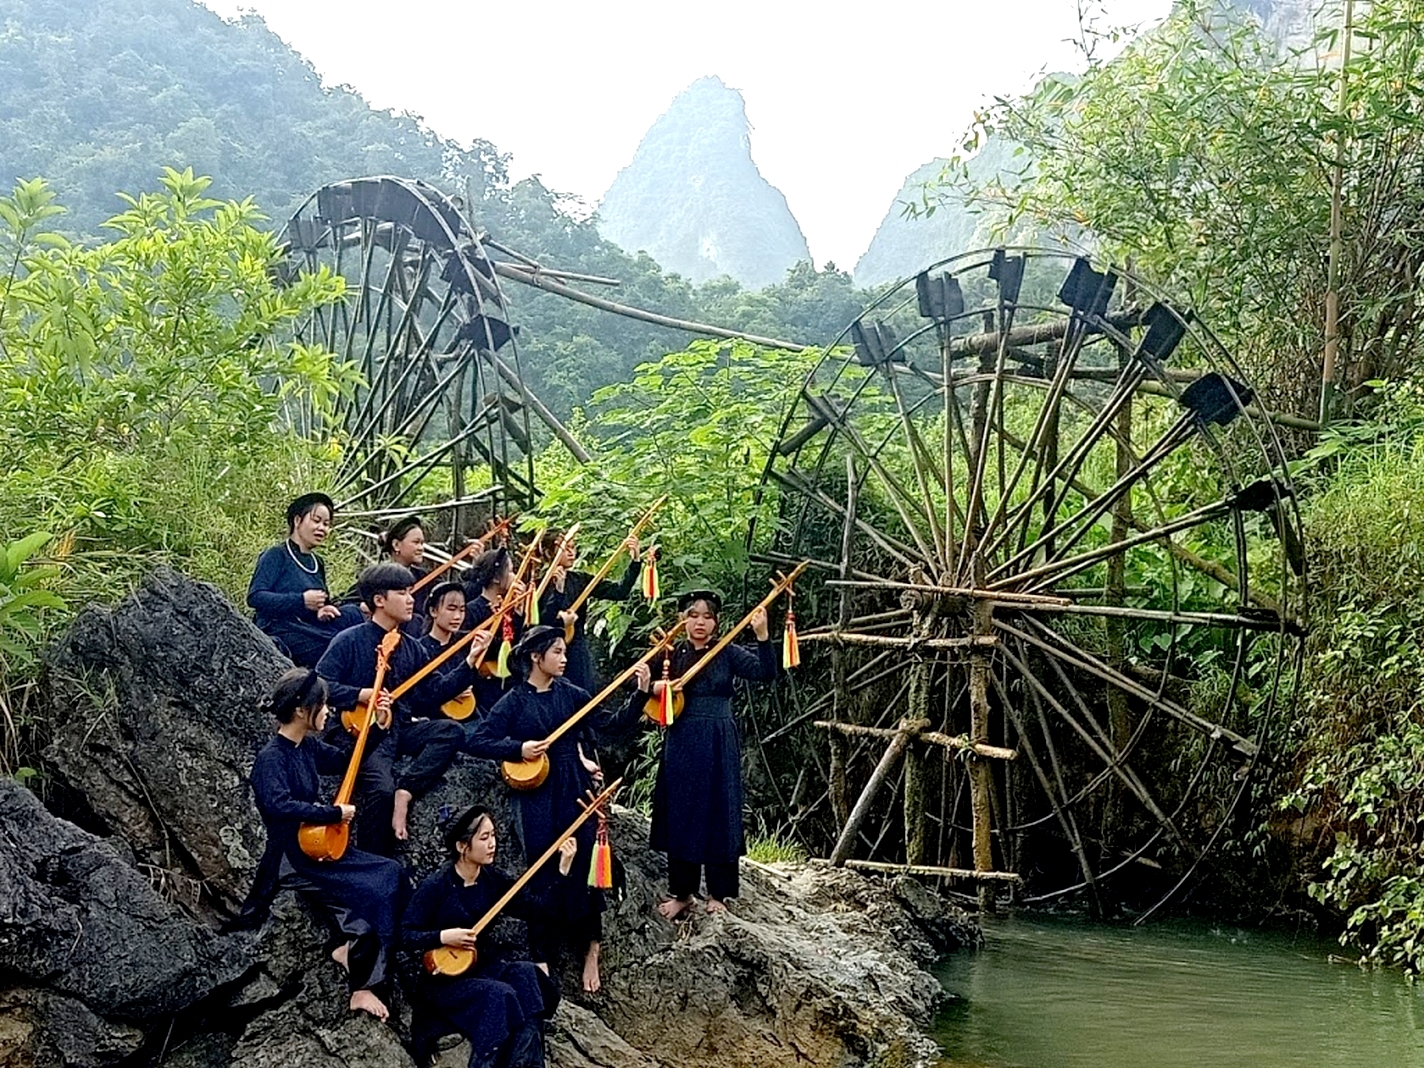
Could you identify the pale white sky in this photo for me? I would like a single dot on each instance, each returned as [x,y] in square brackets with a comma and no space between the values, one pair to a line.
[845,100]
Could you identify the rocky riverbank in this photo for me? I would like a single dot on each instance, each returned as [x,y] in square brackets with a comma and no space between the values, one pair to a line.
[109,954]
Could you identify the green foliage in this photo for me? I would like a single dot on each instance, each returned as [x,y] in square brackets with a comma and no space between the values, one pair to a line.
[773,851]
[141,388]
[696,425]
[23,597]
[1206,159]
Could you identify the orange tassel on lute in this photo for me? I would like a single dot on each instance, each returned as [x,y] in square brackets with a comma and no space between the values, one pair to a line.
[790,647]
[600,867]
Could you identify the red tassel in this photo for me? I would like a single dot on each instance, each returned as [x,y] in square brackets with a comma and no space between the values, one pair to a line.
[790,647]
[506,633]
[652,587]
[600,868]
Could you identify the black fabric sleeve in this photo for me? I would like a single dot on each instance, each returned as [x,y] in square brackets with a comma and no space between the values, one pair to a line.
[607,590]
[489,738]
[272,787]
[335,666]
[758,666]
[262,594]
[329,759]
[421,926]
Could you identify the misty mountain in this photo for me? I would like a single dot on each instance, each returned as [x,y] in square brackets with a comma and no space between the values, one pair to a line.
[693,199]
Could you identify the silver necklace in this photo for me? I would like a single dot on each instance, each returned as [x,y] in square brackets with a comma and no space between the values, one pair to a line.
[316,563]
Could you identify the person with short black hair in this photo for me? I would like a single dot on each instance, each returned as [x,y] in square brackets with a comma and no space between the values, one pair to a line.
[697,798]
[514,730]
[415,728]
[288,594]
[356,895]
[500,1005]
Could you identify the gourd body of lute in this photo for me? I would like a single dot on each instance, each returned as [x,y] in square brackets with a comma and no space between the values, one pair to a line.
[449,960]
[525,774]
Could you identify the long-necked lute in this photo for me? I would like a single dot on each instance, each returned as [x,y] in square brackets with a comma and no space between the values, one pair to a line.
[478,545]
[780,586]
[455,708]
[530,774]
[603,571]
[538,591]
[455,960]
[328,841]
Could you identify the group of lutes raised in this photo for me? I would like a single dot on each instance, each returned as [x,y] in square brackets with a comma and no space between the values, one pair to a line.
[424,668]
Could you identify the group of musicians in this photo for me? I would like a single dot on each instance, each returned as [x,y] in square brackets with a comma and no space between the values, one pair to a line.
[527,675]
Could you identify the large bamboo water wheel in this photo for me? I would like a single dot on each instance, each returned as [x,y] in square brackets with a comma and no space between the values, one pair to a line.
[1057,576]
[425,322]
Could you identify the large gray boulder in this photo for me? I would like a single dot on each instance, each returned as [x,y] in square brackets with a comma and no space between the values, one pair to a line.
[154,705]
[94,955]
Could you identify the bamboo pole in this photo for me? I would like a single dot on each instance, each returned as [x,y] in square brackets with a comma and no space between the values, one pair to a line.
[947,741]
[891,757]
[935,869]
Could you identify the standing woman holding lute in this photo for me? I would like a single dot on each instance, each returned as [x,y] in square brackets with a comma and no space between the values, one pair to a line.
[515,729]
[357,892]
[569,590]
[697,798]
[500,1005]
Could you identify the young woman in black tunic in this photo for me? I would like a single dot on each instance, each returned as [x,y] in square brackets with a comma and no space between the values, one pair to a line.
[357,894]
[513,730]
[567,585]
[697,798]
[444,616]
[500,1005]
[288,593]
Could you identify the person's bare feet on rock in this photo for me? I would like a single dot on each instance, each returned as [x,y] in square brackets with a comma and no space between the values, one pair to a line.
[340,953]
[674,907]
[365,1001]
[714,906]
[398,817]
[591,980]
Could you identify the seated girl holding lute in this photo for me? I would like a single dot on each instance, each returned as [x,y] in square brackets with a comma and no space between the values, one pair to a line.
[498,1004]
[356,894]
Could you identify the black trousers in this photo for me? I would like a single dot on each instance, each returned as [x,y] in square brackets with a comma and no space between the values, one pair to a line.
[432,745]
[685,877]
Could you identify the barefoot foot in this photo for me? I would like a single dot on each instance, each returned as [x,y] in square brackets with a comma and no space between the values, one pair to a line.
[365,1001]
[674,907]
[591,980]
[714,906]
[340,953]
[398,817]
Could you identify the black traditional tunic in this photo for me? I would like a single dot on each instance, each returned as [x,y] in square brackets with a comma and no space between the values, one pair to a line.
[697,799]
[360,890]
[580,666]
[417,730]
[283,575]
[525,715]
[494,1000]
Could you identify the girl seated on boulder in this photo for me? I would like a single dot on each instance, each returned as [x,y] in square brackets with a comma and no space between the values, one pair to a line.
[500,1005]
[288,593]
[356,895]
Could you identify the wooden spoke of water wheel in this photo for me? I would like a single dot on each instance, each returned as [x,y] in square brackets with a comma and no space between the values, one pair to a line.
[426,325]
[1060,482]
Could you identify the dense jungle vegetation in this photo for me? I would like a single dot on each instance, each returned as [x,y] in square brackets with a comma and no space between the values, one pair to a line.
[144,368]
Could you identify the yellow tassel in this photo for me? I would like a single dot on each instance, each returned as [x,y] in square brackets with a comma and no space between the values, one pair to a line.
[501,663]
[652,588]
[532,618]
[790,647]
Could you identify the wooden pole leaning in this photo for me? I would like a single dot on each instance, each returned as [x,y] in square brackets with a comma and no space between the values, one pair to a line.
[469,550]
[780,586]
[452,960]
[603,571]
[530,774]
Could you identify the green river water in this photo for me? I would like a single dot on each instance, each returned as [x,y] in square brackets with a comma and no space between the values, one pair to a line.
[1064,994]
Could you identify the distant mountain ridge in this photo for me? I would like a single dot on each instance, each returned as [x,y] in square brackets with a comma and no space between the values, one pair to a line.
[694,200]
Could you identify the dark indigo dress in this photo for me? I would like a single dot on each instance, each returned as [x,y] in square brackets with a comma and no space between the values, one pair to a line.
[492,1002]
[697,799]
[523,715]
[275,597]
[360,891]
[580,667]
